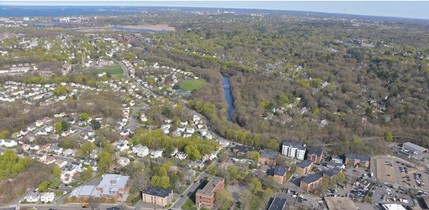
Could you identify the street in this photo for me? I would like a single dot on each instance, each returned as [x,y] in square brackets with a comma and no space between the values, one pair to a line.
[189,192]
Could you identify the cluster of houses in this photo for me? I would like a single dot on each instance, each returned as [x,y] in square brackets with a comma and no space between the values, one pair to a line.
[34,197]
[187,129]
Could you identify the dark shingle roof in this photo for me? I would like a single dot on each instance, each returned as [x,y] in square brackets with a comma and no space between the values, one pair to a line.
[315,151]
[304,164]
[311,178]
[157,191]
[270,154]
[294,144]
[277,204]
[279,171]
[357,156]
[332,172]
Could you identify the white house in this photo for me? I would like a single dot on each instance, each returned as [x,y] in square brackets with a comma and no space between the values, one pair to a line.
[181,155]
[69,152]
[123,161]
[156,153]
[8,143]
[140,151]
[122,145]
[47,197]
[32,197]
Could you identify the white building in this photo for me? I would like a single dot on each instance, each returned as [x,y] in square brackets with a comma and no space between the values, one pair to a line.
[140,151]
[32,197]
[47,197]
[156,153]
[293,150]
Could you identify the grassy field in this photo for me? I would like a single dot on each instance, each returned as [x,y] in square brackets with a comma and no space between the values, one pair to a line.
[113,70]
[191,85]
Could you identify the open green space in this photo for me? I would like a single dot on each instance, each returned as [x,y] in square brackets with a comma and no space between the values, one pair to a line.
[113,70]
[191,85]
[189,205]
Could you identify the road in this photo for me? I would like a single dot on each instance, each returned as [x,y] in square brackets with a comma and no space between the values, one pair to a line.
[189,192]
[71,206]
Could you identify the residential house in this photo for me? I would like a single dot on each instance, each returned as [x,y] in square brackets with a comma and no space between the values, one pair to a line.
[156,153]
[60,163]
[32,197]
[279,174]
[331,173]
[67,174]
[47,197]
[181,155]
[268,157]
[158,196]
[140,151]
[123,161]
[68,152]
[241,149]
[206,197]
[304,167]
[293,149]
[310,182]
[122,145]
[357,159]
[8,143]
[315,155]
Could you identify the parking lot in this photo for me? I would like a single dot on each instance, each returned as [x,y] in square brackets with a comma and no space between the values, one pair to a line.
[393,170]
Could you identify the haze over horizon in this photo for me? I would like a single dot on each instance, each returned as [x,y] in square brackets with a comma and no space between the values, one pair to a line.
[416,10]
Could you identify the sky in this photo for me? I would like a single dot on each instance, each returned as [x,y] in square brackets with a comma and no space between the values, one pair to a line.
[407,9]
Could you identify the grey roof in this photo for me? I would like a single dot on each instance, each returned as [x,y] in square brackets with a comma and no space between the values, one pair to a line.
[311,178]
[85,190]
[315,151]
[304,164]
[279,171]
[208,190]
[277,204]
[332,172]
[414,147]
[111,183]
[157,191]
[294,144]
[270,154]
[357,156]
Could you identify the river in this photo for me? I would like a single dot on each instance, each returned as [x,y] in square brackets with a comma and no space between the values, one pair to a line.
[228,97]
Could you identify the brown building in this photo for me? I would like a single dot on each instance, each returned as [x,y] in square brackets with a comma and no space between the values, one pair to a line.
[206,197]
[279,174]
[268,157]
[357,160]
[310,182]
[315,155]
[304,167]
[157,195]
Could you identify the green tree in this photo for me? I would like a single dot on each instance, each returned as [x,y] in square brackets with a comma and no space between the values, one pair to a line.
[60,90]
[223,199]
[95,124]
[85,149]
[84,116]
[104,161]
[388,136]
[56,171]
[193,152]
[87,174]
[43,186]
[253,155]
[233,172]
[255,185]
[4,134]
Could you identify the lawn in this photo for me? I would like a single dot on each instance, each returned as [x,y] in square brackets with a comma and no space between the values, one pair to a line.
[189,205]
[113,70]
[191,85]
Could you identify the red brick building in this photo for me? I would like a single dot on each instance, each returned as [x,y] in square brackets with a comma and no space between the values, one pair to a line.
[206,197]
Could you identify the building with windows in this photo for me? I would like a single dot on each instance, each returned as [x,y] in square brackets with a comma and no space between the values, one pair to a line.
[206,197]
[315,155]
[357,159]
[293,149]
[158,196]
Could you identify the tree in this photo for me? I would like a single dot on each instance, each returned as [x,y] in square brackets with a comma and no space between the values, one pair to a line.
[87,174]
[160,181]
[95,124]
[388,136]
[193,152]
[43,186]
[60,90]
[223,199]
[56,171]
[253,155]
[104,161]
[84,116]
[85,149]
[255,185]
[4,134]
[61,126]
[233,172]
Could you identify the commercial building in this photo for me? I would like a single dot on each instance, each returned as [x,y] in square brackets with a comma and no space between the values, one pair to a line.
[413,148]
[206,197]
[293,149]
[157,195]
[112,187]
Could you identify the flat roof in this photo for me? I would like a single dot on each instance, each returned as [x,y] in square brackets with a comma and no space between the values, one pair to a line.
[157,191]
[393,206]
[111,183]
[85,190]
[340,203]
[277,204]
[210,186]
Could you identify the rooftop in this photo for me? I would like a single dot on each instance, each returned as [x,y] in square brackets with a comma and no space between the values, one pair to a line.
[293,144]
[331,172]
[277,204]
[279,171]
[112,183]
[414,147]
[85,190]
[304,164]
[357,156]
[340,203]
[311,178]
[208,190]
[315,151]
[270,154]
[157,191]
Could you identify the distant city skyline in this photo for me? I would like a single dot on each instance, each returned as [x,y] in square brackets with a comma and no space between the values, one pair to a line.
[414,9]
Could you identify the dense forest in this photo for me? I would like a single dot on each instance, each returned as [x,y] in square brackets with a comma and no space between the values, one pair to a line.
[319,80]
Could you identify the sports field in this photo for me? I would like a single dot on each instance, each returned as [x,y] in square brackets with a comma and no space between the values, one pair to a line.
[191,85]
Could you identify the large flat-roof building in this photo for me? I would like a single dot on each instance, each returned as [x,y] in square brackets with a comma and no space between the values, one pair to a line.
[111,187]
[340,203]
[413,148]
[206,197]
[157,195]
